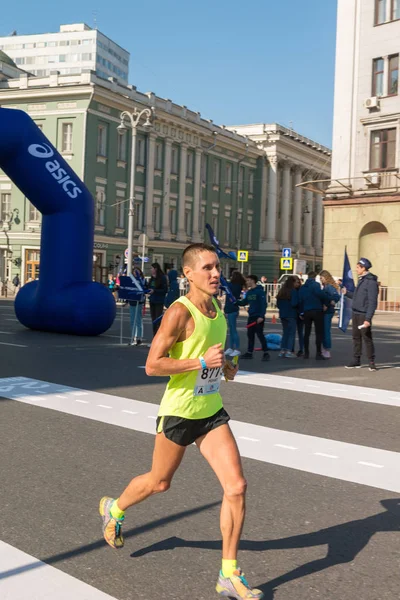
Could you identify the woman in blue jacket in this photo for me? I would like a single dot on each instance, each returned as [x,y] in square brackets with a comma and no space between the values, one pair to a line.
[332,288]
[287,302]
[236,285]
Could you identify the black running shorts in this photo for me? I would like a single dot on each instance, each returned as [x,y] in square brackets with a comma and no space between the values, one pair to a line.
[186,431]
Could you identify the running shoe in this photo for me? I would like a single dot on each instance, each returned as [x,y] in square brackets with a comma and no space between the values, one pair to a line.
[265,356]
[300,353]
[282,353]
[236,587]
[112,528]
[247,355]
[372,366]
[290,355]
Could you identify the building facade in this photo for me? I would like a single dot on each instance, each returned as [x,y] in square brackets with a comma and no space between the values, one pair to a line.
[290,215]
[362,205]
[73,48]
[188,172]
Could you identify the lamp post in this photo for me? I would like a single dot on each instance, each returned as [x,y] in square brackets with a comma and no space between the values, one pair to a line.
[5,226]
[134,119]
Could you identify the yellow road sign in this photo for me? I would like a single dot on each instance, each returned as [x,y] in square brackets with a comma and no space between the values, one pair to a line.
[243,256]
[286,264]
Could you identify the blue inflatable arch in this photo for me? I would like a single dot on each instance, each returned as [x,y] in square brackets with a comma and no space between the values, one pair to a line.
[64,299]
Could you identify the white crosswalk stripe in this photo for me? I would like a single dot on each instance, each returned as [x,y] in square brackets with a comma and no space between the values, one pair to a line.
[330,458]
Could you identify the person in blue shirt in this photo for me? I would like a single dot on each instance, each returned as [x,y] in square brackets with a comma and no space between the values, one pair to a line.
[173,288]
[287,303]
[313,300]
[136,310]
[158,290]
[231,309]
[256,300]
[332,288]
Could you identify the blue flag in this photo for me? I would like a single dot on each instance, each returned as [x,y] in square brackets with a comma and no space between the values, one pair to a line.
[218,249]
[346,304]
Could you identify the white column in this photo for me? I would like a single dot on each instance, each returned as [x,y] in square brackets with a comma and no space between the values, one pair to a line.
[297,209]
[319,224]
[196,196]
[272,199]
[150,184]
[264,194]
[182,195]
[308,222]
[285,204]
[165,231]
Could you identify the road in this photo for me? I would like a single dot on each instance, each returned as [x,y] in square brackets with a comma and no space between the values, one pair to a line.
[320,448]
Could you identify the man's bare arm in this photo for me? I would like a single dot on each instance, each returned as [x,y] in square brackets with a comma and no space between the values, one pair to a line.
[172,326]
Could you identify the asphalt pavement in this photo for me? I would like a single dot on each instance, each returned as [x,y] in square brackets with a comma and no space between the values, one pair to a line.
[320,448]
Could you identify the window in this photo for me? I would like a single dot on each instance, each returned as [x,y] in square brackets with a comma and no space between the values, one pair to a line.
[251,183]
[216,172]
[214,221]
[120,213]
[87,56]
[158,156]
[189,165]
[99,212]
[203,169]
[249,232]
[102,140]
[32,264]
[174,160]
[238,228]
[188,222]
[66,142]
[33,214]
[121,151]
[395,10]
[393,75]
[228,176]
[380,11]
[137,216]
[156,217]
[383,149]
[227,229]
[241,178]
[5,207]
[377,76]
[172,220]
[140,152]
[62,57]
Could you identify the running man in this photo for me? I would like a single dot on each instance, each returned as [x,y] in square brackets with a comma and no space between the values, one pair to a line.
[189,348]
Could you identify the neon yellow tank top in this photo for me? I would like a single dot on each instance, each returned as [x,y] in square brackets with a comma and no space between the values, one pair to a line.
[195,395]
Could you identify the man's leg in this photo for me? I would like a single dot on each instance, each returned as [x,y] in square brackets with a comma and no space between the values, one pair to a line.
[369,343]
[167,457]
[251,334]
[220,450]
[307,332]
[319,330]
[357,320]
[260,334]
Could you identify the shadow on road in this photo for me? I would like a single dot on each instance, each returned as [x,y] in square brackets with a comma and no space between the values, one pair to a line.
[344,541]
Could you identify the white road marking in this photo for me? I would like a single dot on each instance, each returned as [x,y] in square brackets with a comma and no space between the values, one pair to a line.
[16,345]
[243,437]
[82,401]
[130,412]
[272,447]
[24,576]
[104,406]
[285,446]
[336,390]
[325,455]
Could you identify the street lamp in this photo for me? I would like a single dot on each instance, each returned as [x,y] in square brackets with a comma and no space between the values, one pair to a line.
[134,119]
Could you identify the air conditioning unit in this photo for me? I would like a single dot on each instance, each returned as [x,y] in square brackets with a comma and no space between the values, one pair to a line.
[373,102]
[372,180]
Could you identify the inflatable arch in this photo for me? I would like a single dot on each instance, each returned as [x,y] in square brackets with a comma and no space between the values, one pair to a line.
[64,299]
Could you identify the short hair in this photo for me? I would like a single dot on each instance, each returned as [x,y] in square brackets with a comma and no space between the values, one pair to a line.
[312,275]
[191,252]
[253,277]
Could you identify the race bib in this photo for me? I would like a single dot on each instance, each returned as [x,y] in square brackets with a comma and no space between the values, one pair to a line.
[208,381]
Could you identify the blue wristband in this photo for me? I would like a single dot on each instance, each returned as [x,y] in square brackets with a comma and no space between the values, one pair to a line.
[203,362]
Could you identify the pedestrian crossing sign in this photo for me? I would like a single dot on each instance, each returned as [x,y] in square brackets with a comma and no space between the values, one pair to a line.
[286,264]
[243,256]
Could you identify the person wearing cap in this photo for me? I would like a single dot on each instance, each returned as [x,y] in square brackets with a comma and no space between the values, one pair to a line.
[365,300]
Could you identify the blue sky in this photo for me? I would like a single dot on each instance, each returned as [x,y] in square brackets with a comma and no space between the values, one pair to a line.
[235,62]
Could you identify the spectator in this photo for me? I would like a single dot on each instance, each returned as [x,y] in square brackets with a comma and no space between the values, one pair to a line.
[173,291]
[255,298]
[158,290]
[313,300]
[365,300]
[287,302]
[136,311]
[299,320]
[236,285]
[16,283]
[332,288]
